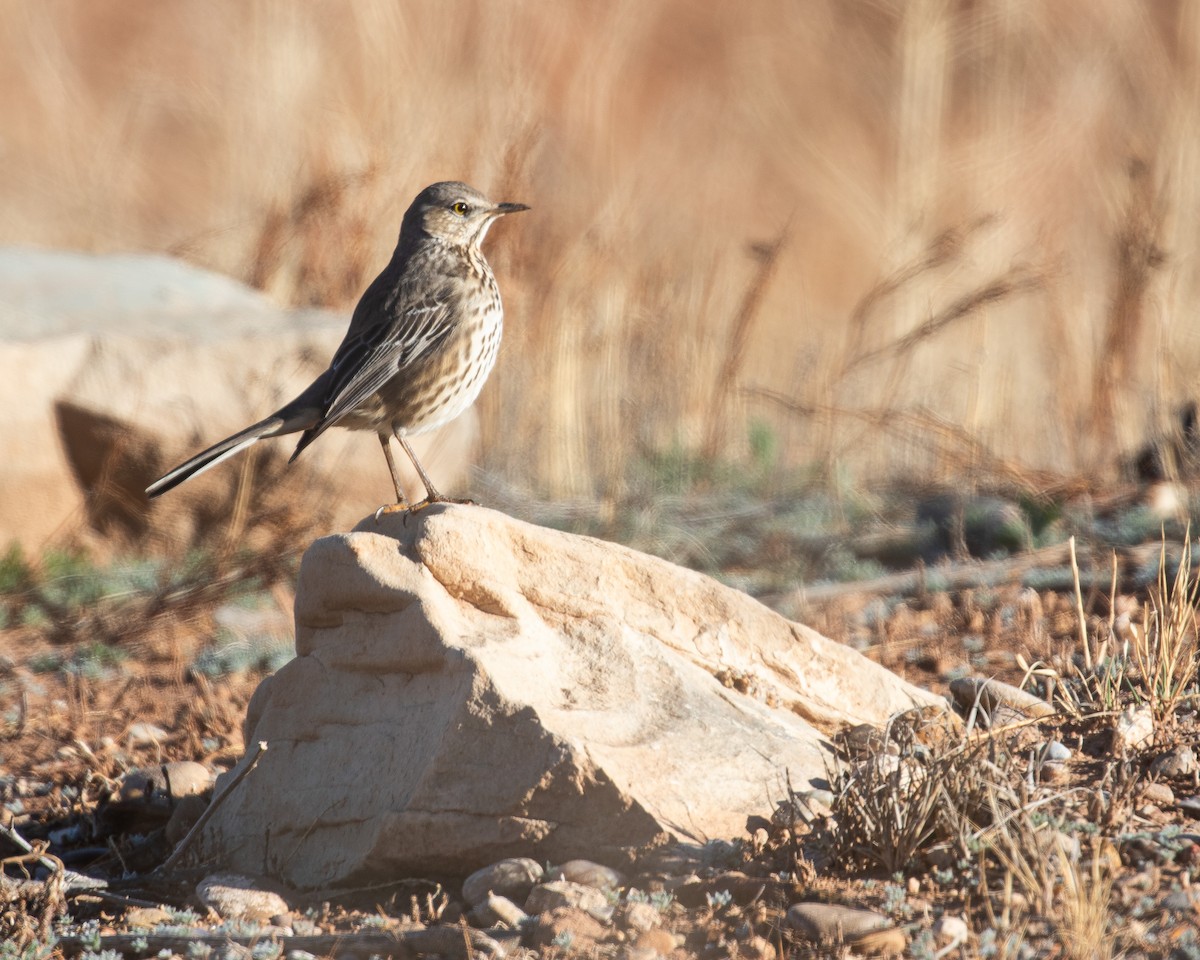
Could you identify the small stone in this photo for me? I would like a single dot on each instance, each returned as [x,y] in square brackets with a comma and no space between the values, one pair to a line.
[639,916]
[913,886]
[564,893]
[238,897]
[300,955]
[950,931]
[304,927]
[1190,805]
[757,948]
[161,784]
[829,921]
[497,910]
[1179,901]
[1158,793]
[512,878]
[1134,729]
[890,942]
[145,734]
[658,940]
[1053,771]
[990,694]
[1180,762]
[143,918]
[588,874]
[556,926]
[863,740]
[1056,750]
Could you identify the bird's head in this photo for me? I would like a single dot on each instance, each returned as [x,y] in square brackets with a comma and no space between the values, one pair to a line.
[455,213]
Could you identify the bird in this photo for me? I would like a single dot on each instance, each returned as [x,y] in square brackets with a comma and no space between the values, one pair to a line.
[422,340]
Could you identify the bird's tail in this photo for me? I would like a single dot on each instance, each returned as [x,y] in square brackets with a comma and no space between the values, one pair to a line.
[272,426]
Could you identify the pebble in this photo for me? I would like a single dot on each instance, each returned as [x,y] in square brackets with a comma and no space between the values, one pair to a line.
[555,926]
[160,784]
[564,893]
[658,941]
[639,916]
[143,918]
[145,735]
[757,948]
[1190,805]
[512,878]
[1179,901]
[1180,762]
[1158,793]
[863,740]
[1134,729]
[588,874]
[950,931]
[830,921]
[990,694]
[495,910]
[235,896]
[1056,750]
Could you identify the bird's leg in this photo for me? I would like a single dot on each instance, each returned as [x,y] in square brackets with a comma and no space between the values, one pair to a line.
[431,493]
[401,504]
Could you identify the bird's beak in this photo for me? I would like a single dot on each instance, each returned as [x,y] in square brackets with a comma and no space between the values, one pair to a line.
[503,208]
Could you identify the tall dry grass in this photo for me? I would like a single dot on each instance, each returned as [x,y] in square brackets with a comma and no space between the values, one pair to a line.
[990,208]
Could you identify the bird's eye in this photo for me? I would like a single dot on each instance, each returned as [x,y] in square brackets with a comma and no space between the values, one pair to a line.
[461,209]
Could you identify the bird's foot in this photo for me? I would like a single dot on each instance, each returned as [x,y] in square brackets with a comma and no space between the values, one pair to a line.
[387,508]
[438,498]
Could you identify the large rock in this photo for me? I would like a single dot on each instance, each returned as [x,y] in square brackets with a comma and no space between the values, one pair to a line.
[469,687]
[117,367]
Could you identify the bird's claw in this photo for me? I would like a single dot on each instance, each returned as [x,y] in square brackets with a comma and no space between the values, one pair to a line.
[392,508]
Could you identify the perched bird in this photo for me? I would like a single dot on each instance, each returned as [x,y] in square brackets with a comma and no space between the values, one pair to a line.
[422,341]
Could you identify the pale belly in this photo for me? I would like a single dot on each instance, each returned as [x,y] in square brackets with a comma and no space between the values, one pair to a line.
[435,390]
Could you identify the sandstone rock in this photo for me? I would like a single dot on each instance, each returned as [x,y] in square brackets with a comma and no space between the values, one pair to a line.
[153,795]
[236,897]
[567,925]
[655,943]
[472,687]
[117,366]
[589,874]
[833,922]
[1157,793]
[991,695]
[1132,730]
[513,877]
[563,893]
[166,782]
[950,931]
[495,910]
[1180,762]
[145,918]
[639,916]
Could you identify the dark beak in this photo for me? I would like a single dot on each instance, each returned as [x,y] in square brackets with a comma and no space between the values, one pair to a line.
[503,208]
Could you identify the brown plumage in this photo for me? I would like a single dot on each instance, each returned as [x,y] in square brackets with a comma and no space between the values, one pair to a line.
[421,343]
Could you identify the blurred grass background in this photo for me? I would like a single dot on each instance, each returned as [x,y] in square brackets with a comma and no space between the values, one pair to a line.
[863,241]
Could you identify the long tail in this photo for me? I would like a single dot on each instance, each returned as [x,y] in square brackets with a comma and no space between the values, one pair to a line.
[271,427]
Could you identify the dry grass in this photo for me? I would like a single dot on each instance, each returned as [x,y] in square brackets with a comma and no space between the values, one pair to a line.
[1164,648]
[1024,177]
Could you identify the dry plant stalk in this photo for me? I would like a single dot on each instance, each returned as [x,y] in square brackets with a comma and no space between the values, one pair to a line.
[1059,882]
[1164,649]
[891,808]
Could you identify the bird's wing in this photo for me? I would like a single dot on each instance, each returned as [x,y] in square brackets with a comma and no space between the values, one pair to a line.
[367,362]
